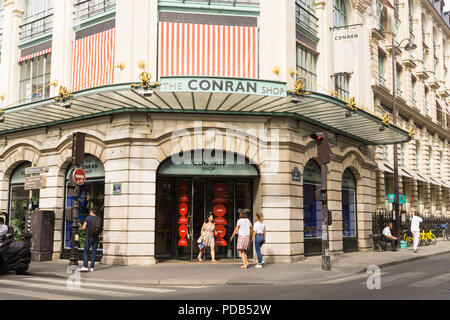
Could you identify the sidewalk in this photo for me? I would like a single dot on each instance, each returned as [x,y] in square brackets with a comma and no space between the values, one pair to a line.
[228,272]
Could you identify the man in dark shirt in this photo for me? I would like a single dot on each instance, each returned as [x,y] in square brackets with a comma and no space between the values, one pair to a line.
[91,241]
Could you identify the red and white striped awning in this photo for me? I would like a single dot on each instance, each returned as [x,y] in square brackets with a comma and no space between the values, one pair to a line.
[34,55]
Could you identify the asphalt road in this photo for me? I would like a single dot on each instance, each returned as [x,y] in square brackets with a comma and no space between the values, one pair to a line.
[426,279]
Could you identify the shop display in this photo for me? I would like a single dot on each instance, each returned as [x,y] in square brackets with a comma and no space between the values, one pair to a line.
[219,211]
[183,210]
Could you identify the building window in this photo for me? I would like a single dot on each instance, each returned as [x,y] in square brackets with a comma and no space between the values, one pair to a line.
[381,61]
[403,154]
[417,155]
[439,115]
[339,13]
[306,66]
[87,9]
[37,18]
[379,13]
[410,20]
[426,101]
[35,78]
[385,153]
[305,14]
[430,157]
[341,86]
[413,92]
[398,80]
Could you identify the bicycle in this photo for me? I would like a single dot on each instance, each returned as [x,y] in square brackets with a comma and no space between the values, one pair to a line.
[409,240]
[428,237]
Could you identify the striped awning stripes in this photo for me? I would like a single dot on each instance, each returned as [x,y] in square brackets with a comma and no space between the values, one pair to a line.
[34,55]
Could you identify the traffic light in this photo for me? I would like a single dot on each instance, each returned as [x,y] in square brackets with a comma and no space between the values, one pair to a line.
[323,147]
[78,141]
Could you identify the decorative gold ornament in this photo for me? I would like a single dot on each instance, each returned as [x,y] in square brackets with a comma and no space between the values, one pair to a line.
[299,88]
[276,70]
[351,105]
[63,95]
[120,66]
[386,120]
[412,133]
[145,79]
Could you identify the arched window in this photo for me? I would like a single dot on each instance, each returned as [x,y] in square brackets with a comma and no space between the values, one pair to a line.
[19,198]
[90,196]
[312,215]
[339,13]
[349,224]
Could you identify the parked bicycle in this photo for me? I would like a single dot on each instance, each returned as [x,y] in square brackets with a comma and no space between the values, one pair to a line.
[428,237]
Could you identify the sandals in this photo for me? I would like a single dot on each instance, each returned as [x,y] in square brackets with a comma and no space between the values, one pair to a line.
[244,267]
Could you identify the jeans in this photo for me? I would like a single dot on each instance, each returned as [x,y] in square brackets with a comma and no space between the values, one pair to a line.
[259,241]
[91,242]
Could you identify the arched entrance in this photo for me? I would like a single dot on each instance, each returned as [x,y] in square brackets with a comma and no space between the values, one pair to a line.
[91,196]
[18,199]
[187,191]
[312,214]
[349,215]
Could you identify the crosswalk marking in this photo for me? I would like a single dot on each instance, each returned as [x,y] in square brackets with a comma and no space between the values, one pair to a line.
[432,282]
[387,280]
[64,288]
[40,295]
[102,285]
[345,279]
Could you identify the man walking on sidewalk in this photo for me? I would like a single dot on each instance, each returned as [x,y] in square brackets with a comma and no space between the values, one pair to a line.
[93,227]
[415,230]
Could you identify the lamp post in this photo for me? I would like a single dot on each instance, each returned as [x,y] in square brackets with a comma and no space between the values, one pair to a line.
[410,46]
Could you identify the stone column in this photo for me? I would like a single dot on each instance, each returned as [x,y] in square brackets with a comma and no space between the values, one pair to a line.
[9,69]
[335,205]
[62,45]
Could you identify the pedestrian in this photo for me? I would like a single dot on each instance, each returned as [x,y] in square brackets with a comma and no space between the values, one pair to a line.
[259,236]
[93,227]
[389,237]
[415,230]
[207,237]
[244,230]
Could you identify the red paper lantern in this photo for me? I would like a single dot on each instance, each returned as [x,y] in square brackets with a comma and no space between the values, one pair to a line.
[219,199]
[219,210]
[183,209]
[183,220]
[183,198]
[219,188]
[183,242]
[221,231]
[220,242]
[184,187]
[182,231]
[220,220]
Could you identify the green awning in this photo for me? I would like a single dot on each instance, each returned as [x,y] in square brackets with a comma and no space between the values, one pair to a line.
[222,97]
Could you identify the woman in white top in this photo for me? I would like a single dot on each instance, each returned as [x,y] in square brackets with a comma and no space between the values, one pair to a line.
[259,236]
[244,230]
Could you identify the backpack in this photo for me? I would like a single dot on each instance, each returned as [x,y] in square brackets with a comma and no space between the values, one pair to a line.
[95,227]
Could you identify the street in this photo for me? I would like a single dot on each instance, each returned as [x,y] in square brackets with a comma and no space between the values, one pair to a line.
[424,279]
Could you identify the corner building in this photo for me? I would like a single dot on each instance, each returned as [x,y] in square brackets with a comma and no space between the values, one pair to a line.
[220,131]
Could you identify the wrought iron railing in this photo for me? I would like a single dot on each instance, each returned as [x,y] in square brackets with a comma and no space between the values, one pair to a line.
[381,218]
[305,17]
[382,79]
[233,2]
[88,8]
[36,25]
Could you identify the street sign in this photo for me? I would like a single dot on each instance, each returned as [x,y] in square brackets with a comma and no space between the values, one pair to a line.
[391,198]
[78,176]
[296,176]
[36,170]
[35,183]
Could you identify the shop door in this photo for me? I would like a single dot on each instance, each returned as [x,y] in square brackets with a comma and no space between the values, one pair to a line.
[183,205]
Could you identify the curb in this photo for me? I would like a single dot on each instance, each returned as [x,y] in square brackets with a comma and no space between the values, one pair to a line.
[393,263]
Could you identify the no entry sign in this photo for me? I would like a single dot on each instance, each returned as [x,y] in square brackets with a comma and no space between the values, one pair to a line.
[78,176]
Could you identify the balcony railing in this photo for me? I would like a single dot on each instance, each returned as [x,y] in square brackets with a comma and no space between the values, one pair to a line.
[36,25]
[382,80]
[87,9]
[305,18]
